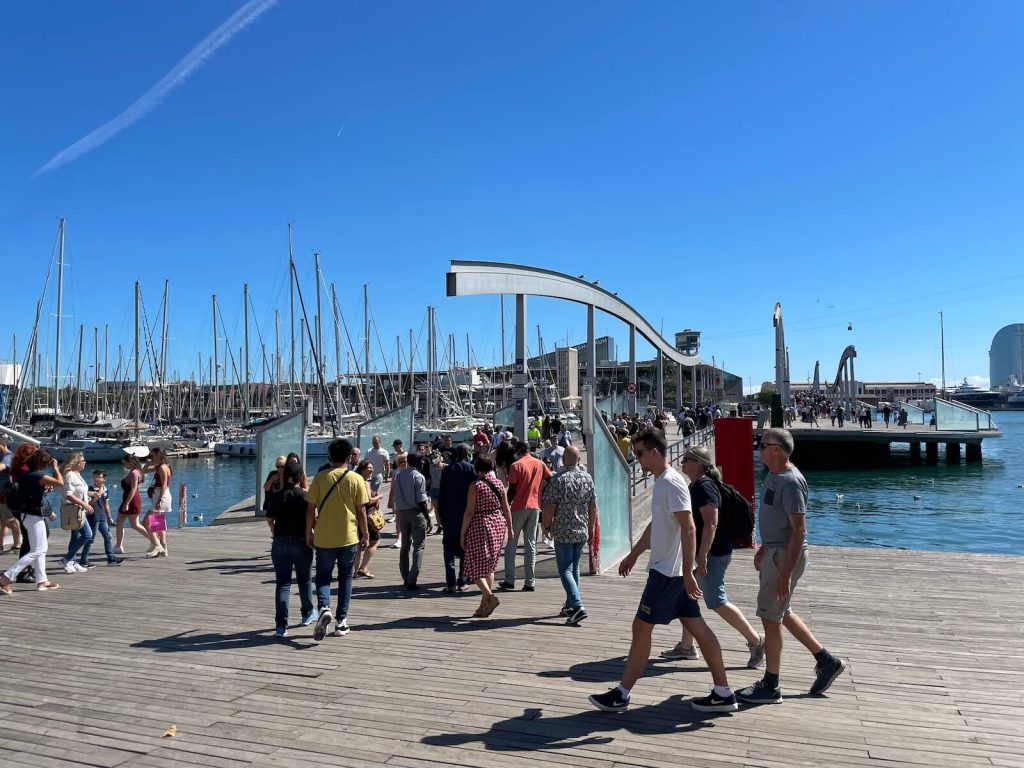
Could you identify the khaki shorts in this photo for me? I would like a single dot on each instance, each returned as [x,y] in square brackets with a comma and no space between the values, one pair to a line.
[6,515]
[769,606]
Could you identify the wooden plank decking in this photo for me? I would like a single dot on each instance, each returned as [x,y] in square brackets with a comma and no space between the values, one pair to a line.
[94,673]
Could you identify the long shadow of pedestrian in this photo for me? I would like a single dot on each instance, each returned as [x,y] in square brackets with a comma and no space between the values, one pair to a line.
[446,624]
[233,566]
[533,731]
[185,642]
[610,670]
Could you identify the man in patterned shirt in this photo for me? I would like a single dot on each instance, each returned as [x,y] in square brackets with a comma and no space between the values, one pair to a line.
[570,512]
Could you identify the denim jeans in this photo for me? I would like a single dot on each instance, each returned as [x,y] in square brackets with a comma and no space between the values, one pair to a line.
[292,553]
[326,557]
[79,539]
[412,526]
[567,558]
[99,524]
[523,521]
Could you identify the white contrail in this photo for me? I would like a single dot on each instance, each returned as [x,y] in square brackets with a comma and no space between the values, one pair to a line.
[181,71]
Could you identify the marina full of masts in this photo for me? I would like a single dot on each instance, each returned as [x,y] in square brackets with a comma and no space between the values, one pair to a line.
[98,394]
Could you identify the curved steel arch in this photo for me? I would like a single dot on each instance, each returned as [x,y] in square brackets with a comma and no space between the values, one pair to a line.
[477,278]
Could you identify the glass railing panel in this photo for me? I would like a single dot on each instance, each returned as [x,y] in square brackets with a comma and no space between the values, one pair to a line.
[953,417]
[284,436]
[613,488]
[396,424]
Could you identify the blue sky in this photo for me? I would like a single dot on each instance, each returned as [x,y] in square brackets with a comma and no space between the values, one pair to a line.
[858,162]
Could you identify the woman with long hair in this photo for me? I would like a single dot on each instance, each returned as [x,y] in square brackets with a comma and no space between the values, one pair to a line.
[486,526]
[75,494]
[131,503]
[365,468]
[160,496]
[32,486]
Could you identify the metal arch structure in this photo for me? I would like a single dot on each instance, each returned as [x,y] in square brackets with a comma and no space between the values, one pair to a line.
[480,278]
[845,385]
[781,358]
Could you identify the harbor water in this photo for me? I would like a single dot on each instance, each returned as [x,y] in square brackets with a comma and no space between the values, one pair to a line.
[966,508]
[975,508]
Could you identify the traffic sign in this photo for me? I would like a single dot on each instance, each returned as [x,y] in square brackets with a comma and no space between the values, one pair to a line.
[520,379]
[518,393]
[631,388]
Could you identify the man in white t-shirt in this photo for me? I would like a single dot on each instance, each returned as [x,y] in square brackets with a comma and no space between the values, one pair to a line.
[381,461]
[671,592]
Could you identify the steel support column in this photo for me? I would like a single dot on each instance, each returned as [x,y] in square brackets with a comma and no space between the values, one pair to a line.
[520,366]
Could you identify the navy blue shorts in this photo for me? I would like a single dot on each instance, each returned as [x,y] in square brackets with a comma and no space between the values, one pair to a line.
[664,600]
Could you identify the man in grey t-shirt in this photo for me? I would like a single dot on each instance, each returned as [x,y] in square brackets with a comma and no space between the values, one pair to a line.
[780,562]
[381,461]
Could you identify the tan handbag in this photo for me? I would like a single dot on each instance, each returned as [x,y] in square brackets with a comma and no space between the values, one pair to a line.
[72,516]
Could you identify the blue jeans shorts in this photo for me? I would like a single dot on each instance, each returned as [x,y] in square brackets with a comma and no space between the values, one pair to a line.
[713,585]
[664,600]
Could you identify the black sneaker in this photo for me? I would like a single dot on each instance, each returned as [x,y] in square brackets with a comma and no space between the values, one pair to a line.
[566,612]
[115,561]
[529,588]
[715,703]
[611,701]
[576,616]
[759,693]
[323,620]
[87,566]
[826,674]
[506,586]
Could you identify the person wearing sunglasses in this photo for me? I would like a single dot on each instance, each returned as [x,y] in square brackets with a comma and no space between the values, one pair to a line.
[780,562]
[671,592]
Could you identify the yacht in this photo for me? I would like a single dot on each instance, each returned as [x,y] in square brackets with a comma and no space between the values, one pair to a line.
[968,394]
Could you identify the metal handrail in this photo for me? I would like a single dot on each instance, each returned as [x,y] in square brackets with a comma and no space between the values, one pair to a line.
[639,478]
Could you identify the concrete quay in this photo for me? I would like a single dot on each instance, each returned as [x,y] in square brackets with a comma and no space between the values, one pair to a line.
[852,446]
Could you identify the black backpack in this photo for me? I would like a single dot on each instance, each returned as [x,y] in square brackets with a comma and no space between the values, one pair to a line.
[13,497]
[736,517]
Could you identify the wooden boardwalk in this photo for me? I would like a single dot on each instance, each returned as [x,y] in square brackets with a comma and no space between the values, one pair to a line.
[96,672]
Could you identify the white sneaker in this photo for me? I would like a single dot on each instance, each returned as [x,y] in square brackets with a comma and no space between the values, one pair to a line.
[79,568]
[341,629]
[69,567]
[154,552]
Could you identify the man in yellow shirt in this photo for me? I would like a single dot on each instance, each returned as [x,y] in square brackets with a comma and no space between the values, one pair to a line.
[336,529]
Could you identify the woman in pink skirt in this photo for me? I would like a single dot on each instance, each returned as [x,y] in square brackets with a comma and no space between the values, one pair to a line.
[485,527]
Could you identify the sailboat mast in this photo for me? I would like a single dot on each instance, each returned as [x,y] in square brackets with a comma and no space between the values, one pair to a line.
[138,385]
[291,313]
[337,349]
[96,369]
[366,348]
[412,374]
[942,344]
[214,375]
[277,362]
[78,377]
[162,377]
[60,308]
[469,375]
[246,402]
[319,338]
[430,367]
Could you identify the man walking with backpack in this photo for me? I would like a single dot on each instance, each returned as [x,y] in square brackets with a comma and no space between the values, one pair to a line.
[714,553]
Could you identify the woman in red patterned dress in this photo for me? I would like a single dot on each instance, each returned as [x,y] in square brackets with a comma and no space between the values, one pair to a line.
[485,528]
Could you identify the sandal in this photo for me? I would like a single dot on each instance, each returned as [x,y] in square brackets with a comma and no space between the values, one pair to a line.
[362,573]
[47,585]
[495,602]
[6,588]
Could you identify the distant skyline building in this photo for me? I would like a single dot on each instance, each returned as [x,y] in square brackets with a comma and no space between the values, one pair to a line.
[1006,356]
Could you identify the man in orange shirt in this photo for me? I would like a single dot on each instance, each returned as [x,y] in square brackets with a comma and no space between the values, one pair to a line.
[526,479]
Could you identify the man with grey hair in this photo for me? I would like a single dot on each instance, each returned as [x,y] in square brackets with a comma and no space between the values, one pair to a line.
[569,505]
[780,562]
